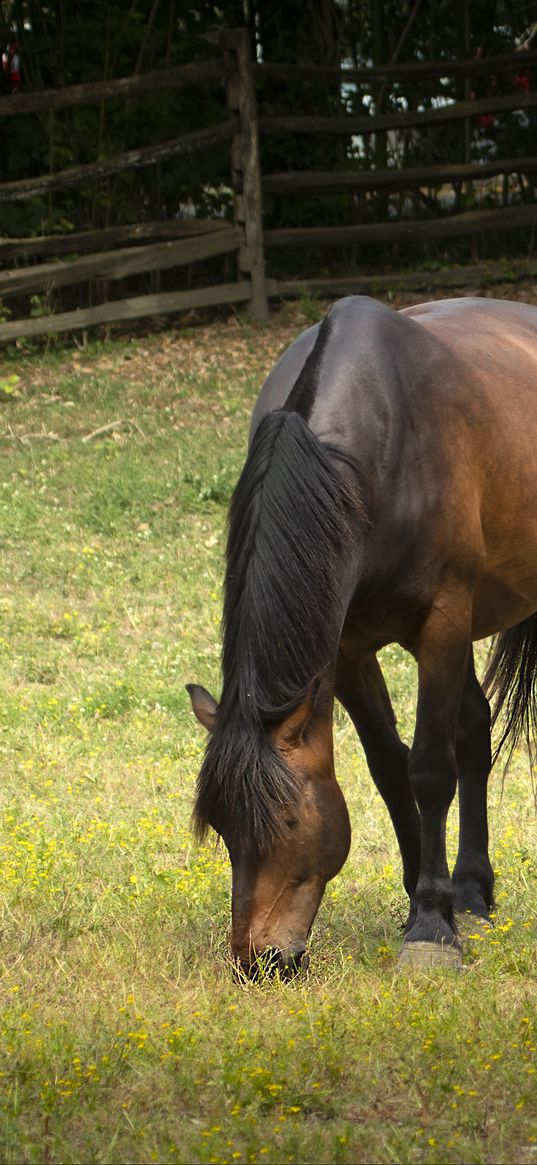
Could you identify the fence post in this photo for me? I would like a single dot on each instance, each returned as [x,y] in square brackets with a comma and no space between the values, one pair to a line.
[245,170]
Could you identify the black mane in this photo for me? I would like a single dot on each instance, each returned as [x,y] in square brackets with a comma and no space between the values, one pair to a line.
[292,525]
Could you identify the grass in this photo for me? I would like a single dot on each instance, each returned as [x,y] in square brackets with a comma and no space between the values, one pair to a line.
[123,1036]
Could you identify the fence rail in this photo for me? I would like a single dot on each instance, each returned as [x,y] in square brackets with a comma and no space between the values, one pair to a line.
[191,143]
[120,263]
[112,254]
[338,181]
[182,77]
[350,126]
[397,72]
[110,237]
[452,227]
[128,309]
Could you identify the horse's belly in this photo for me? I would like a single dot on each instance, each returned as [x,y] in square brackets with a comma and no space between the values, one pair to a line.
[500,603]
[507,589]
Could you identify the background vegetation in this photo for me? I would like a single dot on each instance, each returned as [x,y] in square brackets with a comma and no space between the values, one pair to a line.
[66,42]
[70,43]
[122,1034]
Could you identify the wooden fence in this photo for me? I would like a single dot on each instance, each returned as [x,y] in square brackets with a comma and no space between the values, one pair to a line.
[403,178]
[112,254]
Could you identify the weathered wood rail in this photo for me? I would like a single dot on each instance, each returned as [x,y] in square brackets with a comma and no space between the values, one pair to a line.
[385,121]
[120,263]
[410,178]
[504,63]
[450,227]
[182,77]
[130,160]
[109,256]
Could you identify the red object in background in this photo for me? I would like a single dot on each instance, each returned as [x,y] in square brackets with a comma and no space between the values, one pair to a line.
[486,121]
[11,64]
[522,81]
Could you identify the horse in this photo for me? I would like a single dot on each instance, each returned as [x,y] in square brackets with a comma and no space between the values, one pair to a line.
[389,495]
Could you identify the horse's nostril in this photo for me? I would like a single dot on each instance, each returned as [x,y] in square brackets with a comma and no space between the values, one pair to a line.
[272,960]
[269,961]
[294,962]
[260,966]
[288,963]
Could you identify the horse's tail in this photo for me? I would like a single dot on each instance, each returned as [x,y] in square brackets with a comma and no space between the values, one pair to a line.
[511,682]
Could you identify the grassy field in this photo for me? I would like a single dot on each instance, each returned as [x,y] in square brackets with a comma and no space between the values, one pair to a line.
[123,1036]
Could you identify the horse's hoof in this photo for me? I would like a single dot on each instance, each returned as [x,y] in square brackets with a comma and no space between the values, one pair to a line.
[425,955]
[470,925]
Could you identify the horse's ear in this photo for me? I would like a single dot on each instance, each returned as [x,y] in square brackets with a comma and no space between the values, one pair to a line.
[289,732]
[203,704]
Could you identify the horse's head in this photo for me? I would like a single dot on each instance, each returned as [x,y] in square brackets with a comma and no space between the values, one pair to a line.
[277,886]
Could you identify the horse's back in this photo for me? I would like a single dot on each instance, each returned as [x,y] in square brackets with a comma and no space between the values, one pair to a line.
[460,311]
[350,365]
[364,355]
[490,337]
[439,404]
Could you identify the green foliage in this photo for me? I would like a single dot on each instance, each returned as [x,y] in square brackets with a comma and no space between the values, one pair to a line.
[64,44]
[218,489]
[8,386]
[311,307]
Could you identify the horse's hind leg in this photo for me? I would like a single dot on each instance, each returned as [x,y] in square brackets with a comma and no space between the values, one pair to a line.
[473,876]
[362,691]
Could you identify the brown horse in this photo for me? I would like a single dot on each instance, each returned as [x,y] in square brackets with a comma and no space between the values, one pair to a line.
[389,495]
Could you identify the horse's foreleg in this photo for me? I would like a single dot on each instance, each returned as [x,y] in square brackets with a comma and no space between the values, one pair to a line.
[441,650]
[473,875]
[363,693]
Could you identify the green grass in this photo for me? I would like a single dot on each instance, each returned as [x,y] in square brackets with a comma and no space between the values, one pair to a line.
[123,1035]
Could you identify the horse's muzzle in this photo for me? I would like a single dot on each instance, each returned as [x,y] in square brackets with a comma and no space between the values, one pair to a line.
[272,962]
